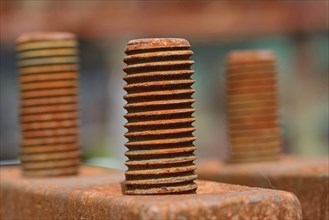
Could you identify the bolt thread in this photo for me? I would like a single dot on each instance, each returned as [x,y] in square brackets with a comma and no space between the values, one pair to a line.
[49,119]
[159,105]
[252,106]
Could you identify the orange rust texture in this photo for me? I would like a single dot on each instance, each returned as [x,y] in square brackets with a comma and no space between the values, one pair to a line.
[252,106]
[48,81]
[307,178]
[159,96]
[97,194]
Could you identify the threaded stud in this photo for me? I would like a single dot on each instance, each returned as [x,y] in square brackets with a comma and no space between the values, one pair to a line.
[159,96]
[48,81]
[252,105]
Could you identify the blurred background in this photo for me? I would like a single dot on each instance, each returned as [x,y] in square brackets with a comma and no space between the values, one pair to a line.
[296,30]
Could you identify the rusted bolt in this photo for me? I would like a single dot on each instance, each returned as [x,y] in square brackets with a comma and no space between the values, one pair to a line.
[48,80]
[159,96]
[252,106]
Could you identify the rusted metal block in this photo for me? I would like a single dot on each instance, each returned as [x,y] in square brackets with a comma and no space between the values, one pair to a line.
[96,193]
[307,178]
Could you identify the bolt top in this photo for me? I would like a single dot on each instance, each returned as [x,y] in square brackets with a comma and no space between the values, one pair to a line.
[44,36]
[250,56]
[153,43]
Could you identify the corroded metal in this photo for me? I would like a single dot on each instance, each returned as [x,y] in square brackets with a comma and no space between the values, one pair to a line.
[293,174]
[252,106]
[96,194]
[159,96]
[48,77]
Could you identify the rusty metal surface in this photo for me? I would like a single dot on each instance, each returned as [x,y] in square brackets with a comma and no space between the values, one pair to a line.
[252,106]
[213,21]
[159,106]
[48,77]
[96,193]
[307,178]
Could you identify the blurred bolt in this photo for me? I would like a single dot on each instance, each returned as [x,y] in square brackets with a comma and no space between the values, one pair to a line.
[48,77]
[252,106]
[159,117]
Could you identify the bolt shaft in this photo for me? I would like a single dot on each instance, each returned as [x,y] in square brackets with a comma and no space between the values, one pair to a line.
[159,96]
[252,105]
[48,80]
